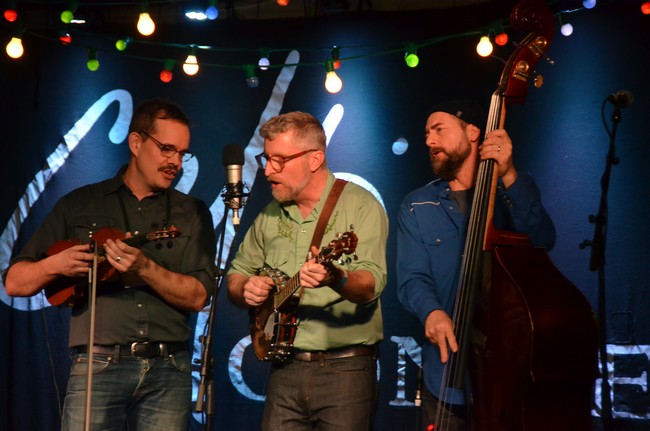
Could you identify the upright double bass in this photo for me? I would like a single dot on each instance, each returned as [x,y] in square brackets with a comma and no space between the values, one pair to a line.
[525,332]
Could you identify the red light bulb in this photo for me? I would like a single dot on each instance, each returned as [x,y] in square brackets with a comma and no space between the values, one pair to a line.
[501,39]
[65,39]
[11,15]
[282,2]
[645,8]
[165,76]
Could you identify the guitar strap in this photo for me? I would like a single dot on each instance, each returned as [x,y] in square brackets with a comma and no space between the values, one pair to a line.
[324,217]
[332,198]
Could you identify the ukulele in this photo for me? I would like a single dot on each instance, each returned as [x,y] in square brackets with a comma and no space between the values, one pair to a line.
[70,291]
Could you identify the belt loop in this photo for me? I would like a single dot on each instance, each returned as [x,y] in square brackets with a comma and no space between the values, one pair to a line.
[116,355]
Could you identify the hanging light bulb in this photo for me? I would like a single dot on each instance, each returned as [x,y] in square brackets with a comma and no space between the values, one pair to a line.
[252,81]
[588,4]
[211,11]
[411,56]
[166,74]
[336,53]
[282,2]
[68,15]
[92,64]
[333,83]
[645,8]
[191,64]
[15,47]
[122,44]
[566,29]
[264,61]
[10,13]
[65,38]
[484,47]
[145,26]
[501,39]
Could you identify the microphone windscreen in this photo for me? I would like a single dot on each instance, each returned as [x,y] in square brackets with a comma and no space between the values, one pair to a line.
[233,154]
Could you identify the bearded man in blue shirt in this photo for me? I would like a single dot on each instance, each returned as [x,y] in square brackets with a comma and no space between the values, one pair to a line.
[432,227]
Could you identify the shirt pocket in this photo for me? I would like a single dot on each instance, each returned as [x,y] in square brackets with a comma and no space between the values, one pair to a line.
[444,251]
[278,259]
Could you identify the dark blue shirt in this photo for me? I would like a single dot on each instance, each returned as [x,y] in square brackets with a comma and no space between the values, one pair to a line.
[430,241]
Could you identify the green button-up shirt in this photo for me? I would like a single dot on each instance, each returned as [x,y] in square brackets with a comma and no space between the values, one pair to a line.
[280,238]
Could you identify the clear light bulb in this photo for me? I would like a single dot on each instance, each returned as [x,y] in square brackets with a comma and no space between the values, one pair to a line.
[484,47]
[333,83]
[191,65]
[146,26]
[264,63]
[566,29]
[15,48]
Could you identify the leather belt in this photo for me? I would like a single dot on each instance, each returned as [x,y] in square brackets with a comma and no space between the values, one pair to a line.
[345,352]
[136,350]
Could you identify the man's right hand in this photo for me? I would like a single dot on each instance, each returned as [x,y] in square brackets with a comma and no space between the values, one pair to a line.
[257,289]
[439,329]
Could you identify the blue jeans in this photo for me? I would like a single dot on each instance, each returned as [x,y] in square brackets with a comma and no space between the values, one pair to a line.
[326,395]
[148,394]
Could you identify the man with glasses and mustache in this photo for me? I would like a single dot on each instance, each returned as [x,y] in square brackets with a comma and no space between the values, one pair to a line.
[432,224]
[329,380]
[160,252]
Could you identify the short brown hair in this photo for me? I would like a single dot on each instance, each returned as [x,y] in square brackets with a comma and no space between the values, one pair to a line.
[148,111]
[306,128]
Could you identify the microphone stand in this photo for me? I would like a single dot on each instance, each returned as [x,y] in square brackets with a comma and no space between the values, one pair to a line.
[597,263]
[206,384]
[92,299]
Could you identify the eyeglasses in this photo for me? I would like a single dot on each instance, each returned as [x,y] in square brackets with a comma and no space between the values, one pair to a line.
[277,162]
[168,151]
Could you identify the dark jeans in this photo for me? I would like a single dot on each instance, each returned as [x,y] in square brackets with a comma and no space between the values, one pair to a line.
[453,419]
[325,395]
[151,394]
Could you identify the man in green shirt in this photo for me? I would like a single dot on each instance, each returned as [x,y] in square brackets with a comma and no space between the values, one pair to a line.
[333,360]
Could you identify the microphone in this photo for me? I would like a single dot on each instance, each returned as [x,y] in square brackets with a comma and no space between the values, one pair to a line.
[621,99]
[233,160]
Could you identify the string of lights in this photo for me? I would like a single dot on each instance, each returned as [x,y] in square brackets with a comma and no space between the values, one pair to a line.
[192,56]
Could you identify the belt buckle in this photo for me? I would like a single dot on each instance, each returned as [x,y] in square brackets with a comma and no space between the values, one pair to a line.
[140,349]
[135,352]
[145,349]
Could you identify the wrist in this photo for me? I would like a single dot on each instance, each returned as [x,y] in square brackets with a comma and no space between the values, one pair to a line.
[340,281]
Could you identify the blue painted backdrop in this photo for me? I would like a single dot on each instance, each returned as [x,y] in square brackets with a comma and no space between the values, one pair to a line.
[57,117]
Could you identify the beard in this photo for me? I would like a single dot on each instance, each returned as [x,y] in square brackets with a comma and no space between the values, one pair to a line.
[448,168]
[286,194]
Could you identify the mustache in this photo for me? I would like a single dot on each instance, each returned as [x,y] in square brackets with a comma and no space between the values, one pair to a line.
[168,167]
